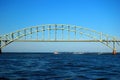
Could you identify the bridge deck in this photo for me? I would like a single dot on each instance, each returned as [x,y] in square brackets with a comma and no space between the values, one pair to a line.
[67,41]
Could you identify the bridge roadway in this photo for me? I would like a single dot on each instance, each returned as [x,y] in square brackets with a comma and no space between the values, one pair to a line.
[67,40]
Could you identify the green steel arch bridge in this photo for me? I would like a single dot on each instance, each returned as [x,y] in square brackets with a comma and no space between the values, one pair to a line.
[59,33]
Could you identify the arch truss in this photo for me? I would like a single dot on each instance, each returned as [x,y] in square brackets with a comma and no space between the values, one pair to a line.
[59,33]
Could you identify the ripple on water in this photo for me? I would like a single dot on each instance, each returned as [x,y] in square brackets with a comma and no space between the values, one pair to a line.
[59,67]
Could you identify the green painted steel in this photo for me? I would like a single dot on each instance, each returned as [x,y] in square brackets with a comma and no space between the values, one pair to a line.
[58,33]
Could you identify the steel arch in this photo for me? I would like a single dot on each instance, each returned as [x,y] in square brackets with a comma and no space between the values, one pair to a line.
[64,30]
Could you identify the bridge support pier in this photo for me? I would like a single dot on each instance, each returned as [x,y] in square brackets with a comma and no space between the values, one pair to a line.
[0,46]
[114,49]
[114,52]
[0,51]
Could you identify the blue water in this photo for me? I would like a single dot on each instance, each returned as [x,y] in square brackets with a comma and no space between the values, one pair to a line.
[47,66]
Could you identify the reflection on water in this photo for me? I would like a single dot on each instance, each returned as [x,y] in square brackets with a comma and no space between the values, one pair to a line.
[44,66]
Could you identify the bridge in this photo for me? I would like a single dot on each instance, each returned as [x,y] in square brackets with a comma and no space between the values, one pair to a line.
[59,33]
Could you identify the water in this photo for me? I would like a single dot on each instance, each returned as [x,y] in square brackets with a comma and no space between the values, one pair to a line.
[47,66]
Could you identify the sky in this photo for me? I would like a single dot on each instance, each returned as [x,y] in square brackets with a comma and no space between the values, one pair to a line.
[100,15]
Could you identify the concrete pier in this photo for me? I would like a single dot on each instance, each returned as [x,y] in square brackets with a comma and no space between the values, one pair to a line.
[114,52]
[0,51]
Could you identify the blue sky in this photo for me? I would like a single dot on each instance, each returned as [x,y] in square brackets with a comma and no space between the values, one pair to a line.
[100,15]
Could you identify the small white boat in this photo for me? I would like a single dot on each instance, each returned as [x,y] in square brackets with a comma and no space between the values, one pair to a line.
[55,52]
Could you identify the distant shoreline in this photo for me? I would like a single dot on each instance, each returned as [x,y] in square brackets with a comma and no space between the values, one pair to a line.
[62,52]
